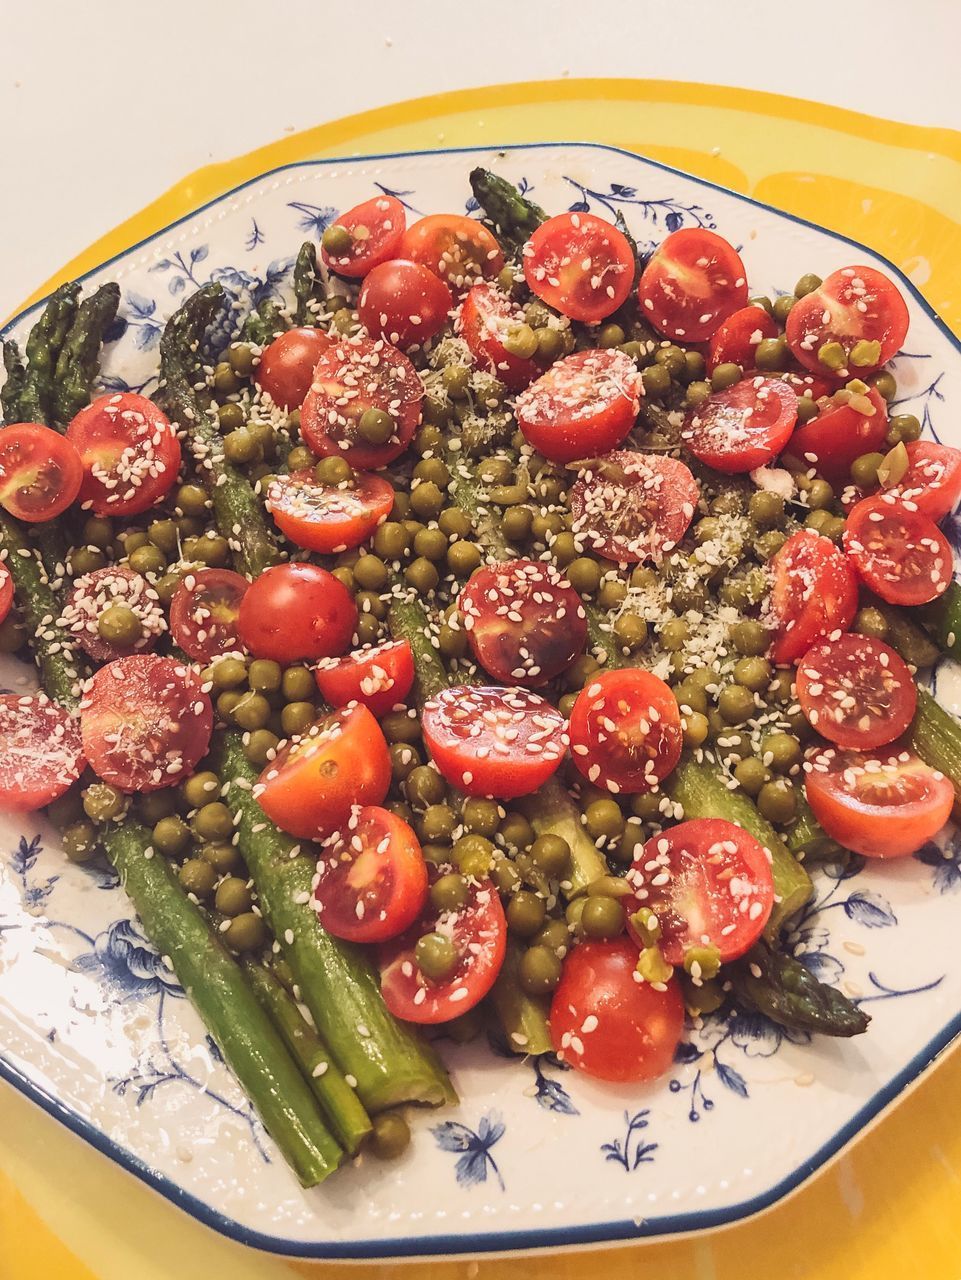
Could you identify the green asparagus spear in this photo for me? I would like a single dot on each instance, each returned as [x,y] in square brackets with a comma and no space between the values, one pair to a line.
[936,737]
[778,986]
[808,840]
[339,1102]
[600,641]
[42,352]
[13,384]
[942,617]
[906,637]
[522,1017]
[236,505]
[79,358]
[467,491]
[552,812]
[309,290]
[262,325]
[513,216]
[408,620]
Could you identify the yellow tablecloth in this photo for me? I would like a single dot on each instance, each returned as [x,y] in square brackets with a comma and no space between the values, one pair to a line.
[889,1206]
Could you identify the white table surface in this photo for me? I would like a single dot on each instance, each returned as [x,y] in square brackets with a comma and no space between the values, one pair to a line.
[106,103]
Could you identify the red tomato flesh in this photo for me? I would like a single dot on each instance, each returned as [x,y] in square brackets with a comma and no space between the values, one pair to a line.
[404,303]
[744,427]
[579,264]
[204,613]
[6,591]
[854,305]
[296,611]
[814,595]
[902,555]
[146,722]
[376,229]
[329,518]
[93,593]
[932,482]
[583,405]
[41,753]
[486,318]
[286,368]
[607,1023]
[458,249]
[839,434]
[708,882]
[856,691]
[315,780]
[379,676]
[372,878]
[693,281]
[494,742]
[524,621]
[633,506]
[625,730]
[40,472]
[735,340]
[129,451]
[883,804]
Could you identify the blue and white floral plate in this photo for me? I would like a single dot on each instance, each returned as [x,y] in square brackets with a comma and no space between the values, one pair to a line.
[95,1029]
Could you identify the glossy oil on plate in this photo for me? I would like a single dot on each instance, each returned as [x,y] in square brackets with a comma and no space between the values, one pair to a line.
[96,1029]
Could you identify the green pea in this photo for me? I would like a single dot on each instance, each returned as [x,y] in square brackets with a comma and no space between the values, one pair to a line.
[481,817]
[86,560]
[226,382]
[376,426]
[584,575]
[612,594]
[390,540]
[807,284]
[66,809]
[521,341]
[422,575]
[297,717]
[885,384]
[753,673]
[201,788]
[820,495]
[425,787]
[213,821]
[297,684]
[452,641]
[871,622]
[398,726]
[784,750]
[233,896]
[436,956]
[777,800]
[155,805]
[551,854]
[525,914]
[437,823]
[691,695]
[516,524]
[672,358]
[630,632]
[763,302]
[725,375]
[736,704]
[264,675]
[227,673]
[865,354]
[903,428]
[834,528]
[246,932]
[694,366]
[697,393]
[807,408]
[333,471]
[120,626]
[610,335]
[251,711]
[539,971]
[673,635]
[656,380]
[817,520]
[368,630]
[463,558]
[98,532]
[553,343]
[770,543]
[544,527]
[170,836]
[864,470]
[259,745]
[79,841]
[646,806]
[782,307]
[389,1135]
[516,831]
[103,803]
[772,354]
[505,876]
[751,775]
[766,509]
[449,893]
[604,818]
[198,877]
[224,858]
[241,357]
[241,447]
[602,918]
[474,856]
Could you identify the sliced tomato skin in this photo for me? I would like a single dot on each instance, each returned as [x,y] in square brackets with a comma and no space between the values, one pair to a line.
[654,496]
[839,434]
[901,554]
[815,593]
[459,720]
[296,611]
[328,518]
[315,780]
[374,893]
[350,377]
[115,584]
[636,1027]
[217,593]
[458,249]
[721,888]
[735,339]
[41,752]
[932,482]
[567,254]
[130,426]
[286,368]
[404,303]
[486,315]
[692,281]
[145,722]
[841,297]
[6,591]
[40,472]
[643,748]
[744,427]
[379,677]
[868,821]
[583,405]
[480,925]
[873,675]
[383,220]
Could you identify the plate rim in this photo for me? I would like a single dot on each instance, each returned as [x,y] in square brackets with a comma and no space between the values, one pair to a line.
[586,1234]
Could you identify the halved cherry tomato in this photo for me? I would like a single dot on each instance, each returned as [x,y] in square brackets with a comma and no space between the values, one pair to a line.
[744,427]
[130,454]
[378,676]
[40,472]
[403,302]
[625,730]
[316,779]
[41,753]
[494,742]
[855,307]
[286,367]
[296,611]
[6,591]
[458,249]
[693,281]
[633,506]
[735,339]
[325,517]
[205,611]
[840,433]
[145,722]
[902,555]
[351,377]
[90,597]
[932,482]
[579,264]
[804,383]
[883,804]
[372,881]
[856,691]
[478,932]
[583,405]
[486,318]
[524,621]
[607,1023]
[708,882]
[814,594]
[376,229]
